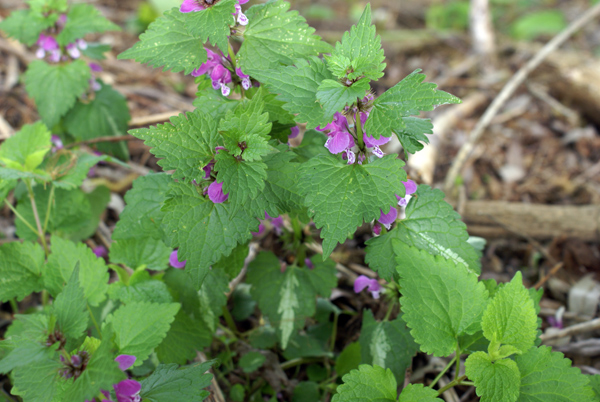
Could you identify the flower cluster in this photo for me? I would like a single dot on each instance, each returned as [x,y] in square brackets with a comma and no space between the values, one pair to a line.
[386,219]
[126,390]
[189,6]
[340,139]
[47,45]
[217,67]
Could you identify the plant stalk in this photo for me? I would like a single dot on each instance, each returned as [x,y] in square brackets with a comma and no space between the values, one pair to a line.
[36,215]
[436,379]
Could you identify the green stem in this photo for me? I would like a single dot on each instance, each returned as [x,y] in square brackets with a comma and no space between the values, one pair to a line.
[18,215]
[359,134]
[469,383]
[45,297]
[388,313]
[14,305]
[232,56]
[299,361]
[457,357]
[230,322]
[451,384]
[94,320]
[49,208]
[436,379]
[36,215]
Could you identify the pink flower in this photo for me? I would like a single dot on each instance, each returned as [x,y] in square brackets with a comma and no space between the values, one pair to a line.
[125,361]
[240,16]
[49,44]
[215,193]
[213,60]
[371,142]
[189,6]
[340,140]
[389,218]
[261,230]
[411,188]
[363,282]
[174,261]
[376,229]
[295,132]
[220,77]
[58,144]
[100,251]
[246,83]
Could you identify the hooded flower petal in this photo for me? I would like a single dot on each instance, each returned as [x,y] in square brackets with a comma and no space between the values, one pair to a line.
[125,361]
[389,218]
[363,282]
[261,230]
[215,193]
[174,261]
[190,5]
[100,251]
[338,142]
[295,132]
[128,391]
[410,186]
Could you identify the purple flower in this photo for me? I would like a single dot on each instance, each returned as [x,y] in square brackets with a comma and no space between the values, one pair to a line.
[363,282]
[126,361]
[309,264]
[96,68]
[246,83]
[340,140]
[190,5]
[371,142]
[411,188]
[240,16]
[215,193]
[58,144]
[295,132]
[128,391]
[389,218]
[261,230]
[213,60]
[100,251]
[175,263]
[376,229]
[49,44]
[73,51]
[220,77]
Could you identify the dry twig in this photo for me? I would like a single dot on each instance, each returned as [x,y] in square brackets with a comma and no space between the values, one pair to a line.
[576,329]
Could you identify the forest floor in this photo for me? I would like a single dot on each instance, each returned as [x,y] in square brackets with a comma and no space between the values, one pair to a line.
[531,187]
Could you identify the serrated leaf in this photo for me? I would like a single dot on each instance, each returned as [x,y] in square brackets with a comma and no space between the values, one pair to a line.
[170,384]
[349,359]
[288,297]
[418,393]
[595,384]
[387,344]
[147,290]
[297,86]
[281,188]
[495,381]
[185,145]
[440,300]
[430,224]
[106,116]
[135,252]
[212,24]
[69,177]
[412,137]
[26,25]
[93,273]
[25,150]
[73,214]
[24,353]
[168,44]
[185,337]
[101,372]
[407,98]
[510,317]
[367,384]
[140,327]
[142,213]
[275,36]
[362,48]
[241,180]
[37,381]
[234,262]
[47,5]
[203,231]
[340,197]
[548,376]
[83,19]
[71,317]
[96,51]
[20,270]
[334,96]
[212,297]
[56,87]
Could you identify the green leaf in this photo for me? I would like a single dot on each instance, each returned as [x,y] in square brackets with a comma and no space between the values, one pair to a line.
[186,336]
[142,213]
[106,116]
[70,313]
[243,304]
[367,384]
[185,145]
[25,352]
[56,87]
[169,384]
[212,24]
[510,317]
[96,51]
[251,362]
[20,270]
[275,36]
[349,359]
[496,381]
[407,98]
[340,197]
[146,290]
[93,273]
[242,180]
[435,287]
[83,19]
[361,51]
[334,96]
[135,252]
[203,231]
[595,384]
[548,376]
[413,135]
[297,86]
[288,297]
[387,344]
[306,391]
[5,187]
[72,176]
[26,149]
[140,327]
[212,298]
[418,393]
[102,372]
[72,215]
[26,25]
[167,43]
[48,5]
[37,381]
[545,23]
[233,263]
[430,224]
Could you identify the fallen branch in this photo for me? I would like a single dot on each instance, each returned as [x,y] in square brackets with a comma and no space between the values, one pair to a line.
[576,329]
[510,87]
